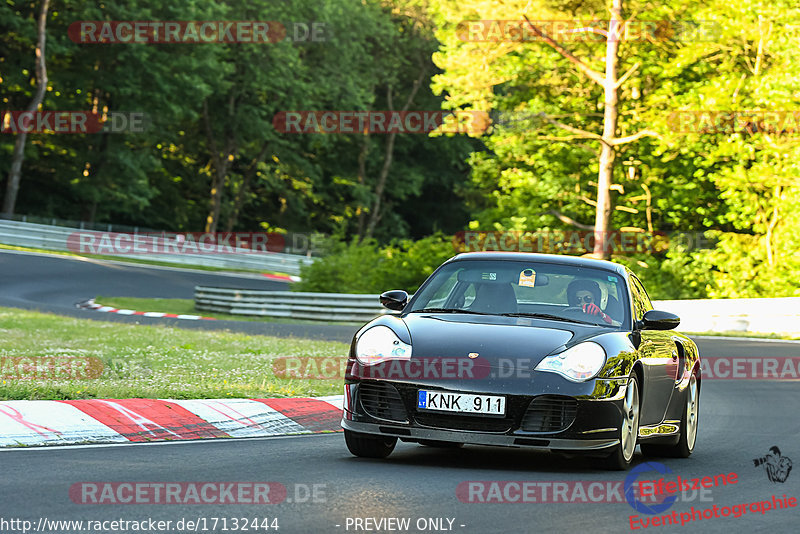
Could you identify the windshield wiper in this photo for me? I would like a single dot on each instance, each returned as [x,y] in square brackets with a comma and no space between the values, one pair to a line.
[448,310]
[547,316]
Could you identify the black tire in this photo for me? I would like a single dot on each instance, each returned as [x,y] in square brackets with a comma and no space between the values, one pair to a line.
[622,453]
[440,444]
[687,440]
[368,445]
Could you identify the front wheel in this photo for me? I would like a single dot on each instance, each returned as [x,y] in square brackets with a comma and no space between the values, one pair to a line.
[688,428]
[368,445]
[620,458]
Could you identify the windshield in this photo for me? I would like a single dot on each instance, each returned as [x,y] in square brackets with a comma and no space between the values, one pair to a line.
[520,288]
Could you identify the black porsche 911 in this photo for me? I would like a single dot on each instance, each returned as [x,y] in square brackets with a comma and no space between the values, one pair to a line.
[524,350]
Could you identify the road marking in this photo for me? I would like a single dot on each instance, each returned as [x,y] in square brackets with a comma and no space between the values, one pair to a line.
[156,443]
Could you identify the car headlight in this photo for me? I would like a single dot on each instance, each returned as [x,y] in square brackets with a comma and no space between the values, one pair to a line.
[579,363]
[379,344]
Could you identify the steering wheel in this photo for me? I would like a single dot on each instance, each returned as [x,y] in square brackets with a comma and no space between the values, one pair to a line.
[574,311]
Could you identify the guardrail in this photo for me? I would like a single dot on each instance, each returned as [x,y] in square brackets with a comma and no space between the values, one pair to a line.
[24,234]
[763,316]
[335,307]
[766,316]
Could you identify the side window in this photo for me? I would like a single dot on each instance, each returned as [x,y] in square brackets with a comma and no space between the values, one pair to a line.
[641,302]
[445,288]
[451,293]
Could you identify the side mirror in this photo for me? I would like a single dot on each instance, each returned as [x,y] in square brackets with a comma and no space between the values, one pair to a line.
[395,299]
[659,320]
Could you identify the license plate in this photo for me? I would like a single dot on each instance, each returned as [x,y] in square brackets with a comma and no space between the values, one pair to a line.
[461,402]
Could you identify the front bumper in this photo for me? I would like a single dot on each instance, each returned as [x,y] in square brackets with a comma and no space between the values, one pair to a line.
[554,422]
[478,438]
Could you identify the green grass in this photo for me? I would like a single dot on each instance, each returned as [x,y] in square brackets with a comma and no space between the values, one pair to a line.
[156,361]
[128,259]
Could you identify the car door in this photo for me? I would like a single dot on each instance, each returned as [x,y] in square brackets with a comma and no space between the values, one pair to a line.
[655,354]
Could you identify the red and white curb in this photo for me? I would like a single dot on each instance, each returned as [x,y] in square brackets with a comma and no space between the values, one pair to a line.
[34,423]
[281,277]
[92,305]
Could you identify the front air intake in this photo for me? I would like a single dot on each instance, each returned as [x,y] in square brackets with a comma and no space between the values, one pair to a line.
[549,413]
[382,401]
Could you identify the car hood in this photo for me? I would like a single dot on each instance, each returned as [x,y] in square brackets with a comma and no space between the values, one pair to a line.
[509,349]
[494,338]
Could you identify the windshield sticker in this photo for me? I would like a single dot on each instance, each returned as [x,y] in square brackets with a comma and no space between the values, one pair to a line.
[488,276]
[527,278]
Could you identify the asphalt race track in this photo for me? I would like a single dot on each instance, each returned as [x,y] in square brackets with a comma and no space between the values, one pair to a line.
[739,421]
[55,284]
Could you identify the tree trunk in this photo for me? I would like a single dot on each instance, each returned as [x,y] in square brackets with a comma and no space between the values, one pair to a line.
[375,213]
[362,176]
[216,201]
[248,176]
[771,225]
[602,221]
[610,83]
[15,173]
[221,163]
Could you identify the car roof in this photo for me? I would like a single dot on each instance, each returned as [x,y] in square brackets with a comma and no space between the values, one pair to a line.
[559,259]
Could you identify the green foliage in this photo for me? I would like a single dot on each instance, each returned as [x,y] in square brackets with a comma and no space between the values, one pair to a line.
[740,186]
[676,275]
[523,174]
[162,178]
[368,268]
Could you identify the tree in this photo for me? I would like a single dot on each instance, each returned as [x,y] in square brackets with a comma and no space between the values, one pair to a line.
[556,81]
[264,80]
[15,174]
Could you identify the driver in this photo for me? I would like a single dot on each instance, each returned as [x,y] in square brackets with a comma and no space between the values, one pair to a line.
[585,294]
